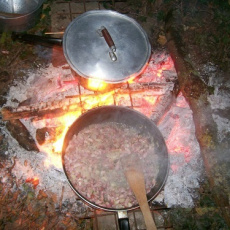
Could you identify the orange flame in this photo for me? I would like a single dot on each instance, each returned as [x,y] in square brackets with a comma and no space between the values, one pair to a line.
[96,85]
[131,79]
[54,148]
[54,156]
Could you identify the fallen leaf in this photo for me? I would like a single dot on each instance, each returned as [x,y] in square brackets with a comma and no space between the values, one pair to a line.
[162,40]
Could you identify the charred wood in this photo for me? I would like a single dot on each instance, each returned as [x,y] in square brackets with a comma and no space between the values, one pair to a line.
[48,134]
[10,114]
[22,135]
[78,102]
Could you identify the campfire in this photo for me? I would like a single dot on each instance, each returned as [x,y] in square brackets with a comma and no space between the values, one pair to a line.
[51,118]
[52,98]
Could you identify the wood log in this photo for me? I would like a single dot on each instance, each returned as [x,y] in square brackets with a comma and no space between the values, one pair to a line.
[22,135]
[79,102]
[9,114]
[196,93]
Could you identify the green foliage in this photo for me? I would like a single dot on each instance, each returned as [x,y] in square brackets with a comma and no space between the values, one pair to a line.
[206,201]
[223,4]
[3,37]
[6,42]
[202,219]
[161,15]
[214,37]
[216,3]
[135,3]
[142,18]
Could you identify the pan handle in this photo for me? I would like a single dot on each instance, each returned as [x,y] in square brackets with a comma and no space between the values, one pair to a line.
[35,39]
[123,220]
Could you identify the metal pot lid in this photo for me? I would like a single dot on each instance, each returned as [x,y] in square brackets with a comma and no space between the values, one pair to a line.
[93,55]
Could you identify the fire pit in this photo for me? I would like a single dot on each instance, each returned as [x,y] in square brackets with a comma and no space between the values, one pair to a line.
[47,114]
[46,98]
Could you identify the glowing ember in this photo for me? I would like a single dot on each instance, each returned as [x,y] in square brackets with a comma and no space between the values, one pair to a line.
[158,68]
[174,168]
[143,101]
[182,103]
[92,101]
[184,153]
[144,94]
[34,181]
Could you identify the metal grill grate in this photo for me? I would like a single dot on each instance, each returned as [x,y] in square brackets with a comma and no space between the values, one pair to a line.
[130,95]
[103,220]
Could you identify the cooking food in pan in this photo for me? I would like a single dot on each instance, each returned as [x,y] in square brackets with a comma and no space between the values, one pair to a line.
[93,162]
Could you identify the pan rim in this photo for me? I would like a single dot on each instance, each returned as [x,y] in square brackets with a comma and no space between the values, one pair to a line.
[87,201]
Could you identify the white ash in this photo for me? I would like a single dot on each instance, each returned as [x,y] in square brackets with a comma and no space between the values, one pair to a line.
[220,98]
[208,73]
[223,127]
[51,83]
[42,85]
[29,164]
[220,103]
[186,164]
[160,64]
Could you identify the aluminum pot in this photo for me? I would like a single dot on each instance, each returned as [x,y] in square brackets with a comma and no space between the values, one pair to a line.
[134,119]
[102,45]
[19,15]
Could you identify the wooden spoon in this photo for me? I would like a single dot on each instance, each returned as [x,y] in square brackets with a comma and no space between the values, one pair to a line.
[135,177]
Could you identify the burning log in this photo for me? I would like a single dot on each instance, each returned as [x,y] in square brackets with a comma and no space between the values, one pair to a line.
[8,113]
[79,102]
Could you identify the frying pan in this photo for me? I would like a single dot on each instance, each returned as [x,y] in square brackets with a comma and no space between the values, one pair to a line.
[103,45]
[131,118]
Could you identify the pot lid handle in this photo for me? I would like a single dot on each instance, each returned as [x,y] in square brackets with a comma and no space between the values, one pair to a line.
[103,32]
